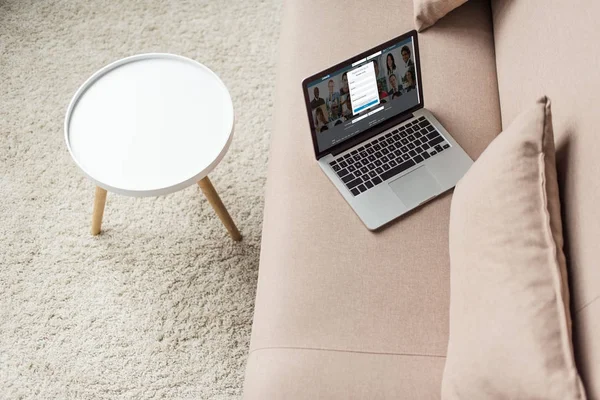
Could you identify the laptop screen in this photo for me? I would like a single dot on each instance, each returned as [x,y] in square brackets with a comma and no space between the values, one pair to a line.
[360,94]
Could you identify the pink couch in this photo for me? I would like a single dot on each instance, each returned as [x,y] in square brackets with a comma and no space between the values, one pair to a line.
[344,313]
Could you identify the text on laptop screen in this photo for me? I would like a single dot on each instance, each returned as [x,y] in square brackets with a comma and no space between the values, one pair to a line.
[363,94]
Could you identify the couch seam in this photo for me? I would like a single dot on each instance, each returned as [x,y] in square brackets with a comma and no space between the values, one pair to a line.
[345,351]
[586,305]
[563,311]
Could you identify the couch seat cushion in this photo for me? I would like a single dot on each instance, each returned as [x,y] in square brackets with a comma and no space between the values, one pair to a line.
[326,283]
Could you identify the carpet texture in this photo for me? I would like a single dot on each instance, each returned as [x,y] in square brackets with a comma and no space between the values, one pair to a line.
[160,305]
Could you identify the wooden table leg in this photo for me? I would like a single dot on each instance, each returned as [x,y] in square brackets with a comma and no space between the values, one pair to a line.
[216,203]
[99,203]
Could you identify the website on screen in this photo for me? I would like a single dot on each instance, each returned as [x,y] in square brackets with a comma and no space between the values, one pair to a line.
[363,94]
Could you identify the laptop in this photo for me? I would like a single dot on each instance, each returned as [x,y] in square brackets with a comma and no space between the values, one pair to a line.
[372,136]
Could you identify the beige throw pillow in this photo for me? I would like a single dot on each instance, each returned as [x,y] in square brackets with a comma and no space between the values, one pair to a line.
[510,332]
[427,12]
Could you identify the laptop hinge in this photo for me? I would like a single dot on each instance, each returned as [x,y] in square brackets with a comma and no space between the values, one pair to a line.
[369,134]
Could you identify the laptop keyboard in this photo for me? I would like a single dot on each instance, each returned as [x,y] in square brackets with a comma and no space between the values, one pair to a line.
[387,156]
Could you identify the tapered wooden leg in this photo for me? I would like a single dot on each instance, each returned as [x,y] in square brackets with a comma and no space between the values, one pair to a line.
[216,203]
[99,203]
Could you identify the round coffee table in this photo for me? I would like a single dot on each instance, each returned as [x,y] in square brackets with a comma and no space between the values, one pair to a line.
[148,125]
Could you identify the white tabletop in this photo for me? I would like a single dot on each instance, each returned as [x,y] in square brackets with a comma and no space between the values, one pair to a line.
[149,124]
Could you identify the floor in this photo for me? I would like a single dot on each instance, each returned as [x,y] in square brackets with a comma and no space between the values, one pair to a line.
[160,305]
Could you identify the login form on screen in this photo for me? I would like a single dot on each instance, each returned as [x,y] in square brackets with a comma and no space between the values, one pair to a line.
[363,88]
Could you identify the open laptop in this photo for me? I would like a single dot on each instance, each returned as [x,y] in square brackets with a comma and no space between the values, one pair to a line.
[373,138]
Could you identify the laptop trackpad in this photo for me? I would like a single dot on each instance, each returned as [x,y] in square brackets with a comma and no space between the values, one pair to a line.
[415,187]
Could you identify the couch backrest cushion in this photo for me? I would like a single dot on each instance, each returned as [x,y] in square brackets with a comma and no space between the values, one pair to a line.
[551,47]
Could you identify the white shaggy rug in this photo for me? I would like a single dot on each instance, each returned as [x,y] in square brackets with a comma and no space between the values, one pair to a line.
[160,305]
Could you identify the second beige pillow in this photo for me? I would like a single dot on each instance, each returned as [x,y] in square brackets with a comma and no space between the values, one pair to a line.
[427,12]
[510,333]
